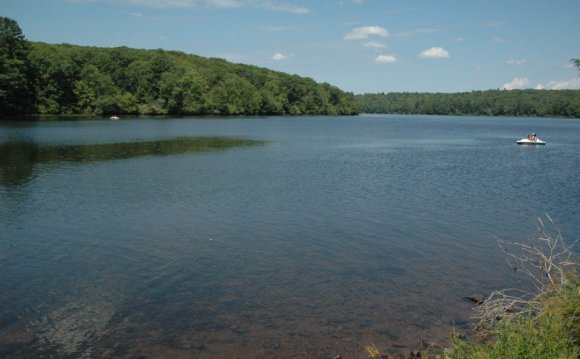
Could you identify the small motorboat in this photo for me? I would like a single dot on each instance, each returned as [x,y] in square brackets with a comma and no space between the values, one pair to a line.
[530,141]
[114,118]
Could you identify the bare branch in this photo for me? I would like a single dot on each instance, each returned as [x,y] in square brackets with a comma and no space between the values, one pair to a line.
[545,259]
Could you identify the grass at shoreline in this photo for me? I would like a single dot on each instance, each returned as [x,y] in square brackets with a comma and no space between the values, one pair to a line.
[542,324]
[553,332]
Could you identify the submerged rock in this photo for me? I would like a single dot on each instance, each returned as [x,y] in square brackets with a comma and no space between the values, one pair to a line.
[475,298]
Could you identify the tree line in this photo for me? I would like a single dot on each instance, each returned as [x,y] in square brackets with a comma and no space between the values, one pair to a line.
[40,78]
[541,103]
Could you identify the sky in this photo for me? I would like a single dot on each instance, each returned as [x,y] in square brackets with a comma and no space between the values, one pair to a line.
[360,46]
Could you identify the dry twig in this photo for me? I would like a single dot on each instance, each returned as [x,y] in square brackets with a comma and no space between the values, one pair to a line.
[545,259]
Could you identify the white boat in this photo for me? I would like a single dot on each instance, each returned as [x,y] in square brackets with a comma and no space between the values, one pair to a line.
[527,141]
[114,117]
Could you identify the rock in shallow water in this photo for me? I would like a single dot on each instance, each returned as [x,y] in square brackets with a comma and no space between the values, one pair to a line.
[475,298]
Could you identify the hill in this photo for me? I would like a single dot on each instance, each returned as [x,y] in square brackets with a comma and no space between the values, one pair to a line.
[40,78]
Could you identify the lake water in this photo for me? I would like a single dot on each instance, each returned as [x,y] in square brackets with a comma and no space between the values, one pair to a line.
[296,237]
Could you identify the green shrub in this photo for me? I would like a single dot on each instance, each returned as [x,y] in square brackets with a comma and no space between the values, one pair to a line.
[554,332]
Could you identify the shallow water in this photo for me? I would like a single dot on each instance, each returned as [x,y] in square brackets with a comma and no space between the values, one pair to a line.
[265,237]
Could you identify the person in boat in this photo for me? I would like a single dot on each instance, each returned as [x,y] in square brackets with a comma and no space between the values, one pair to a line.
[534,137]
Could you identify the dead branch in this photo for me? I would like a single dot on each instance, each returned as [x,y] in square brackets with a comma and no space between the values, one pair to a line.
[545,259]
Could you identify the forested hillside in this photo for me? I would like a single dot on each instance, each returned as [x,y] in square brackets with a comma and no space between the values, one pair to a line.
[38,78]
[559,103]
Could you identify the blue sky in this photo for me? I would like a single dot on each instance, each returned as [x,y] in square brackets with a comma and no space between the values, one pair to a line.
[360,46]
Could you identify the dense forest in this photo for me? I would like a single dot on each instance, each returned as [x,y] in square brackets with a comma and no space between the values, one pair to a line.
[39,78]
[555,103]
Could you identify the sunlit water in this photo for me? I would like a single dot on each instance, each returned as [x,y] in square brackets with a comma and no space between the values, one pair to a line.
[265,237]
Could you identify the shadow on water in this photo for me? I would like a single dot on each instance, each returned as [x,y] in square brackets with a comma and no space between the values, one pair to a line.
[18,160]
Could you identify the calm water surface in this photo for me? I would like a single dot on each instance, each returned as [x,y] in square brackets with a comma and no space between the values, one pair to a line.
[300,237]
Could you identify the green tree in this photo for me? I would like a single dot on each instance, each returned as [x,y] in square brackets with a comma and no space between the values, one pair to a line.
[272,98]
[563,103]
[235,96]
[16,94]
[55,72]
[576,63]
[96,92]
[182,93]
[193,90]
[67,79]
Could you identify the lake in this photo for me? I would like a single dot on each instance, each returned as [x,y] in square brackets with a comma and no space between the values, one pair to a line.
[296,237]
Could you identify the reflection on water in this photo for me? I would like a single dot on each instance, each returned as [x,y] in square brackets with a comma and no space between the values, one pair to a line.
[18,159]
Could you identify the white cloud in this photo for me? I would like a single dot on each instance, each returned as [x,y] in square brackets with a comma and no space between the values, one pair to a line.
[516,62]
[224,4]
[403,34]
[427,31]
[498,40]
[494,24]
[273,28]
[374,45]
[385,59]
[279,57]
[516,83]
[423,31]
[260,4]
[149,3]
[363,33]
[228,4]
[434,53]
[280,7]
[572,84]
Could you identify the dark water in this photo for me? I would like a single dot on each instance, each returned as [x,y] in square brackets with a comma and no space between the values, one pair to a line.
[265,237]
